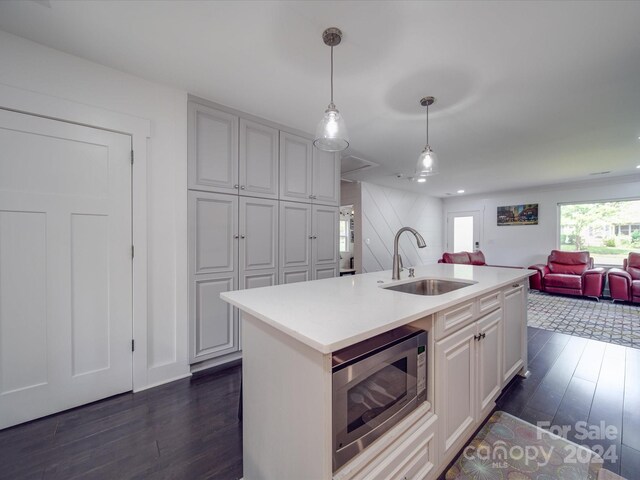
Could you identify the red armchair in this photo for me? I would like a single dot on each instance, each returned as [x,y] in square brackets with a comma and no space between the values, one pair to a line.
[625,284]
[570,273]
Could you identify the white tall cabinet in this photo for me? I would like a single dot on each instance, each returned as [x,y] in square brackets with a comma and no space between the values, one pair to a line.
[308,236]
[263,210]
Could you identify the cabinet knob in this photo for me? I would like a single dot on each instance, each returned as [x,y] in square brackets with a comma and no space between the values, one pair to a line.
[476,337]
[235,236]
[241,187]
[236,186]
[242,236]
[314,237]
[482,335]
[515,285]
[310,196]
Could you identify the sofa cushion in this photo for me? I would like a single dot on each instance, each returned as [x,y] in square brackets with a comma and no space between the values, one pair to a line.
[570,263]
[460,257]
[560,280]
[633,265]
[635,288]
[477,258]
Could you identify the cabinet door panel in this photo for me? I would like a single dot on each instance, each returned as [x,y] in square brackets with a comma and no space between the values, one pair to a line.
[214,323]
[326,177]
[293,275]
[489,359]
[295,230]
[258,234]
[455,378]
[325,271]
[513,331]
[213,149]
[295,167]
[258,279]
[213,225]
[325,233]
[258,160]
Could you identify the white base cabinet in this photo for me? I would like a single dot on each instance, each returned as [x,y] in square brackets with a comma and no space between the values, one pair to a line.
[480,346]
[515,329]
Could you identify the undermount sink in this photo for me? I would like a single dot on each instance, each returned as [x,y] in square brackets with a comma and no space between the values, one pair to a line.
[429,286]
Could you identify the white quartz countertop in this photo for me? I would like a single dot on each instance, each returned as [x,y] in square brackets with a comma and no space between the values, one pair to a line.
[333,313]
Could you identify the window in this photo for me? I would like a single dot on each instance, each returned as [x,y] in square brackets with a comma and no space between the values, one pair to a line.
[608,230]
[344,235]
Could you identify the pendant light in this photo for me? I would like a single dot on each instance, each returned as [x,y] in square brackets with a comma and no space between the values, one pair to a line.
[331,134]
[427,161]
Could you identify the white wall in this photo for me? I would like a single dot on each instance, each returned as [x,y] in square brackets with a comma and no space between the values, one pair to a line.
[528,244]
[384,211]
[33,67]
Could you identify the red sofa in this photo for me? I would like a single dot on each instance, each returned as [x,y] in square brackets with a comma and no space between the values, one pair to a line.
[570,273]
[466,258]
[624,283]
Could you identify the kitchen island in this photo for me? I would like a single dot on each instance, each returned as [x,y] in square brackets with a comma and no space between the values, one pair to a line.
[476,344]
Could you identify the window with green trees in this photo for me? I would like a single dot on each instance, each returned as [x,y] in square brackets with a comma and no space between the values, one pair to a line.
[609,230]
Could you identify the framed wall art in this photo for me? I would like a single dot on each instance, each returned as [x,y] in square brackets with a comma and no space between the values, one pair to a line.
[526,214]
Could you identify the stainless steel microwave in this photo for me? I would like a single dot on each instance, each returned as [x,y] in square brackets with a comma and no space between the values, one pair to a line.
[376,383]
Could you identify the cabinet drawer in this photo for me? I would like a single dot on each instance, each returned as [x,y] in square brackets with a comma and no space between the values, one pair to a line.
[489,303]
[409,456]
[396,450]
[421,462]
[454,318]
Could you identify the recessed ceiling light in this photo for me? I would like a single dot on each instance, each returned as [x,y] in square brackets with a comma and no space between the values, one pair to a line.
[637,166]
[421,180]
[460,191]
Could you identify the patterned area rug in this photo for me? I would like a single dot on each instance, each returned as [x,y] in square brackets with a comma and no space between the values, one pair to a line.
[508,448]
[605,321]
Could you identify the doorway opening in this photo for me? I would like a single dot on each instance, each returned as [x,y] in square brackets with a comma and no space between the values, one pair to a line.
[463,231]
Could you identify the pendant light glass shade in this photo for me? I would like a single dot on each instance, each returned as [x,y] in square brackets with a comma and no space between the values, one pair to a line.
[427,163]
[331,134]
[427,160]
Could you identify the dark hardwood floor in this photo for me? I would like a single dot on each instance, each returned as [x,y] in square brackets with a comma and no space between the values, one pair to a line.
[579,380]
[189,429]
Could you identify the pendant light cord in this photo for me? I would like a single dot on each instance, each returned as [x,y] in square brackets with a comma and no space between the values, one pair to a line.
[332,75]
[427,123]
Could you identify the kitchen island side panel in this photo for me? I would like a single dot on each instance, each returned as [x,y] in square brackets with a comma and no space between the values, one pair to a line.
[287,406]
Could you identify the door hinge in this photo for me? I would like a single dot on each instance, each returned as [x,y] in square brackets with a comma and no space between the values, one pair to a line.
[133,251]
[133,345]
[131,157]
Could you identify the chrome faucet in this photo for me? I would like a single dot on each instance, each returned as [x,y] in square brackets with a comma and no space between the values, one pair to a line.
[397,259]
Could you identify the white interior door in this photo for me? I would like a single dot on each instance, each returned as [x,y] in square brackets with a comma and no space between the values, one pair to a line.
[65,266]
[463,231]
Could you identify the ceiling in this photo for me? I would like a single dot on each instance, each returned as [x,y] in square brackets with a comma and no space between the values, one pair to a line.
[527,93]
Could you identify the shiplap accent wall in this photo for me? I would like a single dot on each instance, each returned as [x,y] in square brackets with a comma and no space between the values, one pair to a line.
[384,211]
